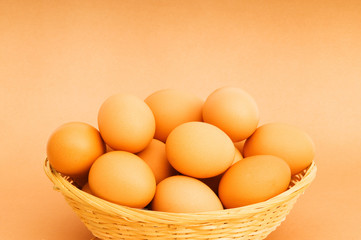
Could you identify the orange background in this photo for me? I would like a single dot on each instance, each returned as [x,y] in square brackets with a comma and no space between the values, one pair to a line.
[300,60]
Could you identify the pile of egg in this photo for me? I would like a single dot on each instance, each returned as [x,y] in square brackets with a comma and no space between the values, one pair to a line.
[175,152]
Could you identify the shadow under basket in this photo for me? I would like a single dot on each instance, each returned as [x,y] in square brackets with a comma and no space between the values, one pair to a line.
[107,220]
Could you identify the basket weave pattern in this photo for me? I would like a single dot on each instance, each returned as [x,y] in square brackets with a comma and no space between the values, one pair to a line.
[111,221]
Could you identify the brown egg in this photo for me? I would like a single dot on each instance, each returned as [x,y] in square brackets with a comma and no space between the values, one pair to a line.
[285,141]
[126,123]
[73,147]
[199,149]
[154,155]
[232,110]
[254,179]
[123,178]
[171,108]
[213,182]
[182,194]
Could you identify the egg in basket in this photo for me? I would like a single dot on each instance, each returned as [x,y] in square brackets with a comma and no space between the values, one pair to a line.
[174,166]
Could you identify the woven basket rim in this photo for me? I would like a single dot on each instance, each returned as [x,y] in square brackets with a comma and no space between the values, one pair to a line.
[64,185]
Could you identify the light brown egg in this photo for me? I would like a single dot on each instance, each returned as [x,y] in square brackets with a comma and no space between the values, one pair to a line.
[232,110]
[182,194]
[199,149]
[73,147]
[123,178]
[126,123]
[171,108]
[154,155]
[254,179]
[283,140]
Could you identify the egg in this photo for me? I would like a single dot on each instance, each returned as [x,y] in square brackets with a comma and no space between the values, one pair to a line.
[232,110]
[171,108]
[126,123]
[154,155]
[73,147]
[199,149]
[122,177]
[213,182]
[253,180]
[283,140]
[183,194]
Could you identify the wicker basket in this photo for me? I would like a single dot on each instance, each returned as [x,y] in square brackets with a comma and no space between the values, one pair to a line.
[111,221]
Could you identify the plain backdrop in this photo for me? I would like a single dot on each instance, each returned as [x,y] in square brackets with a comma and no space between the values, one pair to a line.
[300,60]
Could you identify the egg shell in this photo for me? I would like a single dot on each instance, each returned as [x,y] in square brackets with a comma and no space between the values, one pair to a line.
[73,147]
[254,179]
[172,107]
[123,178]
[126,123]
[233,110]
[183,194]
[283,140]
[154,155]
[199,149]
